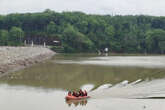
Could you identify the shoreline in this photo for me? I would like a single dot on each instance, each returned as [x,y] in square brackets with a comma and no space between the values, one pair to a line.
[17,58]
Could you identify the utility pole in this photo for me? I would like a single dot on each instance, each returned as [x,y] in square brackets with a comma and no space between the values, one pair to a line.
[32,44]
[44,44]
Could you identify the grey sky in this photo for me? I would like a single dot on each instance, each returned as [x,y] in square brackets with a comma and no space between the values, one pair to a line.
[123,7]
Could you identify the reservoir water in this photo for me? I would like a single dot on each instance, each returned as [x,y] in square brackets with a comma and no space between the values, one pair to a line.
[137,81]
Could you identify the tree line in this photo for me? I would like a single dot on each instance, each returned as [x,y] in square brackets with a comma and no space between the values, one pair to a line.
[80,32]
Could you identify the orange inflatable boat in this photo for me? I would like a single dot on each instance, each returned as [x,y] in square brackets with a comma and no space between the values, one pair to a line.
[76,98]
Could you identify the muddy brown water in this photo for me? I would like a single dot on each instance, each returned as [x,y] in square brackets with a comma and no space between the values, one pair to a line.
[44,86]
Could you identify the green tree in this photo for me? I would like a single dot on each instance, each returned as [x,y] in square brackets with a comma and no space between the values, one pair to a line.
[16,36]
[51,28]
[74,41]
[4,37]
[162,46]
[118,33]
[155,40]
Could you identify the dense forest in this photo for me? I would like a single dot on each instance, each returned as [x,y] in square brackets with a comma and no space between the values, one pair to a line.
[80,32]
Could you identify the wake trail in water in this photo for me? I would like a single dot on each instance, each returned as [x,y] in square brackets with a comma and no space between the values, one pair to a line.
[137,89]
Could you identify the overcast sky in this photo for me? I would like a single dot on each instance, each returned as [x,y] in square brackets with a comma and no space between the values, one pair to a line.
[122,7]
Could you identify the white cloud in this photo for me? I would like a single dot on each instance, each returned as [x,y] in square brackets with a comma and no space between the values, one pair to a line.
[124,7]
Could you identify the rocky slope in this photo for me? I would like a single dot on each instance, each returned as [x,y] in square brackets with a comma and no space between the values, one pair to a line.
[15,58]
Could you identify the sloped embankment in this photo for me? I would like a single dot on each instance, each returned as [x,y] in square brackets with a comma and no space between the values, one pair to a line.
[15,58]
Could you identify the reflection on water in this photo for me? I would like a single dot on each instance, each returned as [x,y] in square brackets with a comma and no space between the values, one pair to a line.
[43,86]
[77,102]
[131,61]
[74,76]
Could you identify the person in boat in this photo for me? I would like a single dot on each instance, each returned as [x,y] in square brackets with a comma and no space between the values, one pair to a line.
[75,94]
[69,93]
[81,93]
[85,93]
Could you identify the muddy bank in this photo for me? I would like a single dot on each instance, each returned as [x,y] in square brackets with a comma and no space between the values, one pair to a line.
[15,58]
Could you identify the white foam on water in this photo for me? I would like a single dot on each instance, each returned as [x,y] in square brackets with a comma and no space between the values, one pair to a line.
[145,89]
[87,87]
[105,86]
[135,82]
